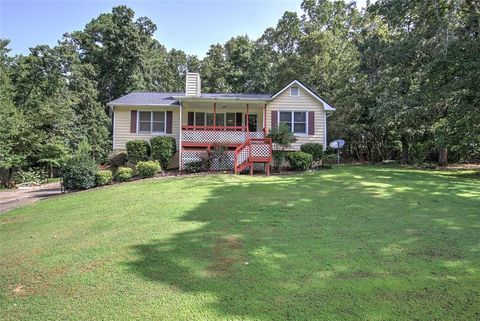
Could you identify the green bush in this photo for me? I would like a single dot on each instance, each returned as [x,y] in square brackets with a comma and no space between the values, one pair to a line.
[300,161]
[202,165]
[314,149]
[329,159]
[137,151]
[123,174]
[31,177]
[162,149]
[103,177]
[117,158]
[148,169]
[78,173]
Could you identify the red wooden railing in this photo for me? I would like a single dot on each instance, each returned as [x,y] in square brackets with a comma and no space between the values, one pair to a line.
[253,150]
[215,128]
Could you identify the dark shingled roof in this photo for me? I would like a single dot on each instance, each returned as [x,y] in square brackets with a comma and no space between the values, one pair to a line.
[144,98]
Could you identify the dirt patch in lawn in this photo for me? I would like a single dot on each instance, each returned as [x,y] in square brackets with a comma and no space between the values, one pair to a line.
[226,253]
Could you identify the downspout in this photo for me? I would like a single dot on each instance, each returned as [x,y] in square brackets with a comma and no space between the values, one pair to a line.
[113,127]
[180,167]
[325,133]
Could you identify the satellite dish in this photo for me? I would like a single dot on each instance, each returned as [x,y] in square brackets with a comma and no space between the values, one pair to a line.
[337,144]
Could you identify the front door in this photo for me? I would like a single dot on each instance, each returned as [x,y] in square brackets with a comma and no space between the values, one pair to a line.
[252,122]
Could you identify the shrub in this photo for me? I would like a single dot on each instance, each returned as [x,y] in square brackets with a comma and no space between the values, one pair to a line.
[103,177]
[123,174]
[281,137]
[33,177]
[314,149]
[329,159]
[137,151]
[78,173]
[117,158]
[202,165]
[162,149]
[299,160]
[148,169]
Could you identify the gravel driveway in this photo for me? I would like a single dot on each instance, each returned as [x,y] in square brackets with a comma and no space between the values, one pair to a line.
[11,199]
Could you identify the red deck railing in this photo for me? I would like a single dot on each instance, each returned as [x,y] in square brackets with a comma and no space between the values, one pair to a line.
[253,150]
[216,128]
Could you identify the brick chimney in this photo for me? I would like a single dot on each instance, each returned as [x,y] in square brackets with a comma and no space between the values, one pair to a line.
[193,84]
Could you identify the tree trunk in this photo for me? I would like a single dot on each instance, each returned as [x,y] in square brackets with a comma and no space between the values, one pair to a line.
[405,148]
[443,156]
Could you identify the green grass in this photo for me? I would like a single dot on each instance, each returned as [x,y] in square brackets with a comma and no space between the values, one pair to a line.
[352,243]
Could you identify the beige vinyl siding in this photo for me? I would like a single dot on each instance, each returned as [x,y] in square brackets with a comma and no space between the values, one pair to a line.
[303,102]
[121,131]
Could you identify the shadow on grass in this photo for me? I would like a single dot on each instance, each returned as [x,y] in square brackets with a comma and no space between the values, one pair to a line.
[323,246]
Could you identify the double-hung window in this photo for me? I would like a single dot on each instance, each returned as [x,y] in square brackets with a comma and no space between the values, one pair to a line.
[295,120]
[219,119]
[151,121]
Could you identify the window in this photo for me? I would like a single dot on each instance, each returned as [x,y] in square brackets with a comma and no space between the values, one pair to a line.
[231,119]
[295,120]
[144,121]
[199,119]
[151,121]
[294,91]
[220,118]
[286,118]
[158,121]
[300,122]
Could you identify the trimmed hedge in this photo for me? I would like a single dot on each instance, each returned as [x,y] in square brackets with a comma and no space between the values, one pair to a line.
[137,151]
[103,177]
[300,161]
[78,173]
[123,174]
[148,169]
[117,159]
[314,149]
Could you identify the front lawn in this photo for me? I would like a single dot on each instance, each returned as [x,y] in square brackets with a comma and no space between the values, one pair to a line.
[352,243]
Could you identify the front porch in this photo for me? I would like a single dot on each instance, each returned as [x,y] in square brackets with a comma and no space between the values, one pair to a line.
[230,126]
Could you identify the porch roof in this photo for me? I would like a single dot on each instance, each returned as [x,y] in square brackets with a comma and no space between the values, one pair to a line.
[227,97]
[147,99]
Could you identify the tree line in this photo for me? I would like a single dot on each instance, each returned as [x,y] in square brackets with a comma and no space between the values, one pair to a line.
[402,74]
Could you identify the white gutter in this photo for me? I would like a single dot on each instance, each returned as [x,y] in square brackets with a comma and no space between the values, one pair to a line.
[142,105]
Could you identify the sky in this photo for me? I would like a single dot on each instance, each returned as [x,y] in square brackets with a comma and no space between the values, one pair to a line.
[189,25]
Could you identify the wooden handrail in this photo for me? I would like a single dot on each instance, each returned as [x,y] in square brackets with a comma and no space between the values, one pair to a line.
[215,128]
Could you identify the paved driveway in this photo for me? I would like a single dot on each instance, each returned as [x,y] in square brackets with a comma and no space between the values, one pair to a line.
[11,199]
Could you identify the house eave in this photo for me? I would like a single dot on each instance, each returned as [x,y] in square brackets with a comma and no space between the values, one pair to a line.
[142,105]
[221,99]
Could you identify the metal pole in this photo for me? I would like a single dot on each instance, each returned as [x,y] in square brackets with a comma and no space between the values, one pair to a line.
[338,156]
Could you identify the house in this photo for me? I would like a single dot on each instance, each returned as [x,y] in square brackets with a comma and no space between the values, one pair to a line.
[238,122]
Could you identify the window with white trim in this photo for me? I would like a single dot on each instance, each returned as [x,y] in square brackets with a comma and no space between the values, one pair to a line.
[151,121]
[295,120]
[294,91]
